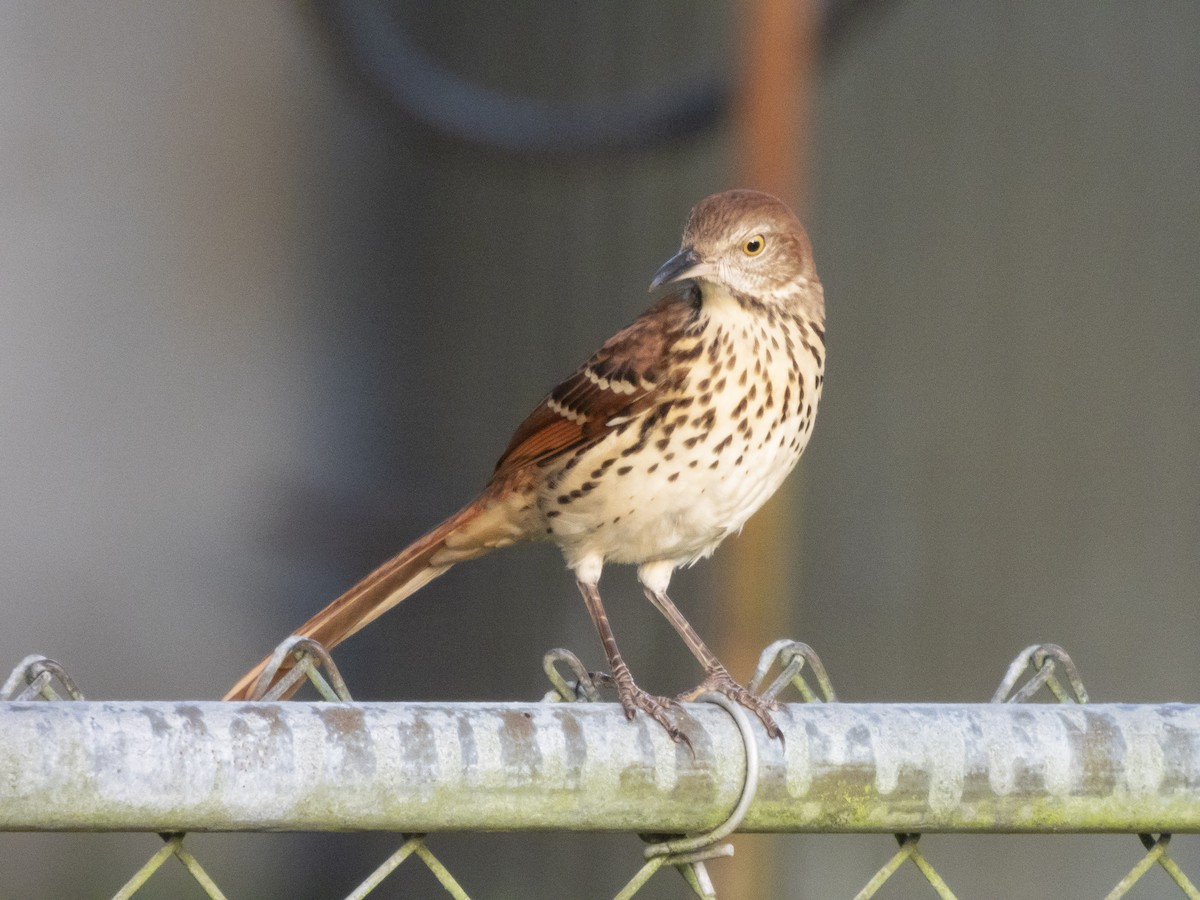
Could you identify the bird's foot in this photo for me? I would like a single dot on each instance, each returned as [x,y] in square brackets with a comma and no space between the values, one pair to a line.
[720,681]
[633,698]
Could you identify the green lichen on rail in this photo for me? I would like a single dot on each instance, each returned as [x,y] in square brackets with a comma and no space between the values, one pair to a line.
[420,767]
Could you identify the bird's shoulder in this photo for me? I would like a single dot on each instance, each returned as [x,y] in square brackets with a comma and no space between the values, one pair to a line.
[619,380]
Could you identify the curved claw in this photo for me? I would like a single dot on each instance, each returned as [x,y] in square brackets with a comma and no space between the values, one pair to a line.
[633,698]
[722,682]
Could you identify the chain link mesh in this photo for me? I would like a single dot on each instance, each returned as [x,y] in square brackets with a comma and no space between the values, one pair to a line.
[1038,667]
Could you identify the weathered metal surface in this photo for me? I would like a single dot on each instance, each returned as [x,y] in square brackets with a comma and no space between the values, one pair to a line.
[175,766]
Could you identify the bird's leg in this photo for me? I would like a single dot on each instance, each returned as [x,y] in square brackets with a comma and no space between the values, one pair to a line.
[631,696]
[718,678]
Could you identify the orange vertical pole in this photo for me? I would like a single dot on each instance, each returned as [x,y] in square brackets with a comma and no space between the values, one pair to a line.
[777,52]
[772,116]
[773,95]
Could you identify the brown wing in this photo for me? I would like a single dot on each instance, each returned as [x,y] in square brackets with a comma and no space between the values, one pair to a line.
[623,378]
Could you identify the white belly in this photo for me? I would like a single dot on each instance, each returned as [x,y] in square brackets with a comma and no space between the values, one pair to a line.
[687,488]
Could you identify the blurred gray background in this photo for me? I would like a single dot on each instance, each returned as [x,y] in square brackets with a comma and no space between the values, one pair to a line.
[260,328]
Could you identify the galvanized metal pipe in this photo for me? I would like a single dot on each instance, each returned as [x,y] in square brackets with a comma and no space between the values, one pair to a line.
[173,766]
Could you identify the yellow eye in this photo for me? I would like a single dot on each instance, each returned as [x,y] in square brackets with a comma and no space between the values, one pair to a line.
[754,245]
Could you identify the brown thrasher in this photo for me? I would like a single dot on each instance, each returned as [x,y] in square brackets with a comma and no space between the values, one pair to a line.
[658,447]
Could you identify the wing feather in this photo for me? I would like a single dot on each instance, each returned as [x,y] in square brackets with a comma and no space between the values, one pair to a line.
[622,379]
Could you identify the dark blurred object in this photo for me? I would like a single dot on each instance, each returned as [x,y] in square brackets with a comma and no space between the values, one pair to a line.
[419,86]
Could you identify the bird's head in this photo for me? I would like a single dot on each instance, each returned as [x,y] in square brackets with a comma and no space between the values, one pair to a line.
[748,243]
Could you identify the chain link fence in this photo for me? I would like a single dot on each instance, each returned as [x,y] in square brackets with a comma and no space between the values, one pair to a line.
[998,767]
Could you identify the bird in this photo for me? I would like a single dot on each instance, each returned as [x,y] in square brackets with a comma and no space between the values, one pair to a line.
[661,445]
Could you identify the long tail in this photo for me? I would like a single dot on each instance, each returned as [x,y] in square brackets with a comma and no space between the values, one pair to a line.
[470,532]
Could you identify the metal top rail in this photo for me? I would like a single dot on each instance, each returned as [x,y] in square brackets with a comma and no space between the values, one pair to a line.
[416,767]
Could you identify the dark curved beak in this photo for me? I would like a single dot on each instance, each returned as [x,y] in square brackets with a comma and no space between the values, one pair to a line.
[687,263]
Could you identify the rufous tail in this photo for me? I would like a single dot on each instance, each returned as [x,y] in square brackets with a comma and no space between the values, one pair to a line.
[462,536]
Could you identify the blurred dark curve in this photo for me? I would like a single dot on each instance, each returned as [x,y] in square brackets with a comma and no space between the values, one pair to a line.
[419,86]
